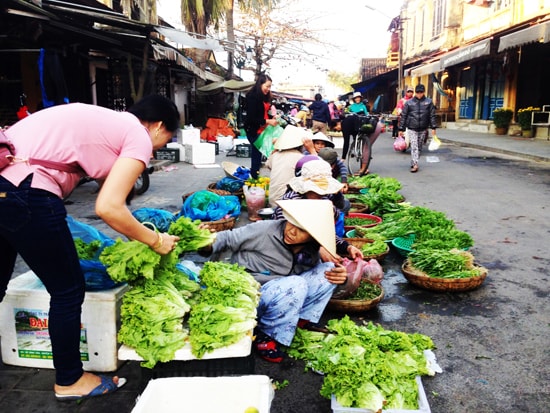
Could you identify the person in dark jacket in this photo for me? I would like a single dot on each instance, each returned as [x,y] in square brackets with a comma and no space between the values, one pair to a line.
[320,115]
[258,103]
[417,117]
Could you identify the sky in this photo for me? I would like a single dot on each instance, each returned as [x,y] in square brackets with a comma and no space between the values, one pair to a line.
[354,30]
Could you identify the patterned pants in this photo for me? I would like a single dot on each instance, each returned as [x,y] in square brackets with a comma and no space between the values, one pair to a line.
[287,299]
[416,141]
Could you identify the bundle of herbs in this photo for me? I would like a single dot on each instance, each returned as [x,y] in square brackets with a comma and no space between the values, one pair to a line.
[382,196]
[439,263]
[431,229]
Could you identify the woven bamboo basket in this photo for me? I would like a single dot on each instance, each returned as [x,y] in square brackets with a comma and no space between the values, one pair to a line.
[212,188]
[358,207]
[421,279]
[355,306]
[221,224]
[359,242]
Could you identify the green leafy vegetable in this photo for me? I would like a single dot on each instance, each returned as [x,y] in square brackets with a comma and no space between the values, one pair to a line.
[87,250]
[129,261]
[226,307]
[191,236]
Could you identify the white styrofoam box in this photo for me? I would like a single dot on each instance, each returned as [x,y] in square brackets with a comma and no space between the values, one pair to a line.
[423,405]
[206,395]
[225,142]
[242,348]
[189,136]
[200,154]
[24,326]
[175,145]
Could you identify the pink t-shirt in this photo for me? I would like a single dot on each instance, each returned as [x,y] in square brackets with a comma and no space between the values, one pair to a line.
[92,136]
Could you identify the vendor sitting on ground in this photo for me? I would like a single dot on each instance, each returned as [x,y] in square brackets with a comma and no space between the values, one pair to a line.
[287,151]
[314,181]
[283,256]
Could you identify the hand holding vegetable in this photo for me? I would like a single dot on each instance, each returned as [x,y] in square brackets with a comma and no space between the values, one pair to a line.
[165,243]
[337,275]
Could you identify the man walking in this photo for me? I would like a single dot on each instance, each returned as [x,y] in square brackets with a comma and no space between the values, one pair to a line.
[320,115]
[417,116]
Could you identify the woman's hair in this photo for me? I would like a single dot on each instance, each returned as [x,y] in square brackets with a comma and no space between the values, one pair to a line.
[318,96]
[257,88]
[154,108]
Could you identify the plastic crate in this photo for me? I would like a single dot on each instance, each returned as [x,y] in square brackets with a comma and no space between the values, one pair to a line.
[168,154]
[243,150]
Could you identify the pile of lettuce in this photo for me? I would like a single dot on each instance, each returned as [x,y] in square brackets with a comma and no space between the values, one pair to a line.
[162,299]
[365,366]
[153,309]
[225,308]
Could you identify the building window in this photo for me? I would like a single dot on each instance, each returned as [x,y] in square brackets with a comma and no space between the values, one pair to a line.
[438,18]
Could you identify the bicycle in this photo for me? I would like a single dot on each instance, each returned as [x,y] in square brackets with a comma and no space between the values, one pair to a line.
[360,152]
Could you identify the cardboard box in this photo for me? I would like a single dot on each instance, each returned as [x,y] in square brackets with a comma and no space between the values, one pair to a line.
[423,406]
[200,154]
[24,319]
[189,136]
[206,395]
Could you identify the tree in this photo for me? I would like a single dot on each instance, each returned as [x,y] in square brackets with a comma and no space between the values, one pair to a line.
[272,35]
[342,80]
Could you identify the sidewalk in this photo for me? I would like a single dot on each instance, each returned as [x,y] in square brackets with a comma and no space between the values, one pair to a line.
[536,149]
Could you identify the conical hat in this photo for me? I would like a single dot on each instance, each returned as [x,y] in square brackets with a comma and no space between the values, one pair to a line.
[292,137]
[320,136]
[315,216]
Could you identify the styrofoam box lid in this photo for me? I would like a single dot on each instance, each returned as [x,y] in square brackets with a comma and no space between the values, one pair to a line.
[206,395]
[29,284]
[423,405]
[241,348]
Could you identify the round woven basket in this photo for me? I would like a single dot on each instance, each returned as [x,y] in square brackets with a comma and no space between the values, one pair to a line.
[355,306]
[358,207]
[212,188]
[359,242]
[221,224]
[421,279]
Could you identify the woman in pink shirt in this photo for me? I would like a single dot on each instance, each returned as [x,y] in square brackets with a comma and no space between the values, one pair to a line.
[112,147]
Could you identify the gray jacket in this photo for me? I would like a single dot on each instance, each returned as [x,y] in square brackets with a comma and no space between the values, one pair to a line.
[259,247]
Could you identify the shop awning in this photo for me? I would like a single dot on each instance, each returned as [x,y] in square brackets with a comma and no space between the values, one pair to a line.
[538,33]
[466,53]
[426,69]
[228,86]
[167,53]
[187,41]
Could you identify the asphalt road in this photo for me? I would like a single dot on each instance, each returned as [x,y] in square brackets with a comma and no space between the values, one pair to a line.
[492,343]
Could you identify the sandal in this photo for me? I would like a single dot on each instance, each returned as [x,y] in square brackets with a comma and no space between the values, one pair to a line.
[106,386]
[414,168]
[268,349]
[311,326]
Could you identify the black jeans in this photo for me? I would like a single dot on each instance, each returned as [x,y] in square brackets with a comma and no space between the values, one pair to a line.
[32,223]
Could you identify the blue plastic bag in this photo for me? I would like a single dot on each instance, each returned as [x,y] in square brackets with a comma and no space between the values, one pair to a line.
[95,273]
[159,217]
[208,206]
[229,184]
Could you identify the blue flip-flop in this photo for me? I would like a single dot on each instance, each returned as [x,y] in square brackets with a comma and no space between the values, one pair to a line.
[107,386]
